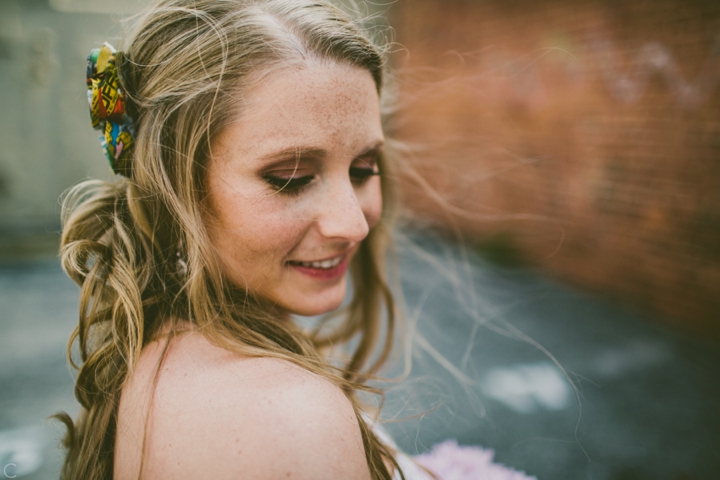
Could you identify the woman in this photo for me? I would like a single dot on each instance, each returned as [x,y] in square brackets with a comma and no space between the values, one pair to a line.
[250,139]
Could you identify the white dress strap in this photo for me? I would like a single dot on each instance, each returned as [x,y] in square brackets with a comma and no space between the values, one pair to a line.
[410,469]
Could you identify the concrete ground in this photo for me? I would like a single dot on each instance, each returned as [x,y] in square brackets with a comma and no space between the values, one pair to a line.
[636,401]
[633,400]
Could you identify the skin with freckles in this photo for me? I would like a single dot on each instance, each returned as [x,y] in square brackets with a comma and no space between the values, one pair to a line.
[293,185]
[214,414]
[293,191]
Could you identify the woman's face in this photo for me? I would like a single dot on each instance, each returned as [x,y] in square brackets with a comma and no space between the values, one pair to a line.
[293,189]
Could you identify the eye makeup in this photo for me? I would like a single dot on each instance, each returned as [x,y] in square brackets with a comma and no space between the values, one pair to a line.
[291,185]
[361,174]
[290,175]
[365,166]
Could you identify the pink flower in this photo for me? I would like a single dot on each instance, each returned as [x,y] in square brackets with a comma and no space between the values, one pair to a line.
[449,461]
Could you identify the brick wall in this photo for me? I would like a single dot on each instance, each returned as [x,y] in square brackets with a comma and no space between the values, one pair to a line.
[582,136]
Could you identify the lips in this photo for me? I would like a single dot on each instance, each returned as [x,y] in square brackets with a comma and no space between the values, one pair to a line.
[329,269]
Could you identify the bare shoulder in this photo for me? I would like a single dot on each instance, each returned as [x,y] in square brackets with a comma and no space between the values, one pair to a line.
[215,414]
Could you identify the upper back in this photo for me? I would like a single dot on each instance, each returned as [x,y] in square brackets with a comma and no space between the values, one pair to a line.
[210,413]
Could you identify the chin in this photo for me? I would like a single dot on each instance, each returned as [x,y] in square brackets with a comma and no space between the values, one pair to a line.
[318,304]
[312,310]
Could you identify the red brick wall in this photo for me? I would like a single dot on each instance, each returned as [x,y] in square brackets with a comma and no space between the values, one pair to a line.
[586,134]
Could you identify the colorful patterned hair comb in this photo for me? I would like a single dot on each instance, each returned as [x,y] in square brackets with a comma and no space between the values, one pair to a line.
[108,109]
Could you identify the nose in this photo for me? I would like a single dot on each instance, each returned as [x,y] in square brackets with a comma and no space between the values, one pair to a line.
[341,215]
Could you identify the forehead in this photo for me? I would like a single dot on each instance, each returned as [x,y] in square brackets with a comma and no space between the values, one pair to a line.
[325,105]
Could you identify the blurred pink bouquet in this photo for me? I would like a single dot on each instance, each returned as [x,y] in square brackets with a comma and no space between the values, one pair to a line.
[450,461]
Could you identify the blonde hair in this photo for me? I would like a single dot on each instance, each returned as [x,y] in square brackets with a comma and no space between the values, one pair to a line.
[139,248]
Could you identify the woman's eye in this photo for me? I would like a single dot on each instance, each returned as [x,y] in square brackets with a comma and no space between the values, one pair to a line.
[360,174]
[291,185]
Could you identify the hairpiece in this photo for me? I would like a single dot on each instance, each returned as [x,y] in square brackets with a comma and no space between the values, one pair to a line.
[108,108]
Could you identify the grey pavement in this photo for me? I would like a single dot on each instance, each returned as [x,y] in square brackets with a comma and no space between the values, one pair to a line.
[38,310]
[643,402]
[633,400]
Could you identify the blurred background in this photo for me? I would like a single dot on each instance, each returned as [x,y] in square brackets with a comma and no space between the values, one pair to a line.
[598,122]
[573,147]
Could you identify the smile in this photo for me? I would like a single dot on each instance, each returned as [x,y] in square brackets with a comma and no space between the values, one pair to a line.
[330,269]
[323,264]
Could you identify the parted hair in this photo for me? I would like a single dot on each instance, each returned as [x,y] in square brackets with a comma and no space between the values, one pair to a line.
[138,246]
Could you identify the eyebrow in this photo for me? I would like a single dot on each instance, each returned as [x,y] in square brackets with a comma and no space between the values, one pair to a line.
[295,152]
[374,150]
[299,152]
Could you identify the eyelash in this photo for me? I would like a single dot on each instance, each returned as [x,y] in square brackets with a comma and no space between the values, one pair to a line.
[293,186]
[361,174]
[288,186]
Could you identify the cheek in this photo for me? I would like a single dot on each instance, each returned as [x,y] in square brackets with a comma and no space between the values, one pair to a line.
[251,231]
[372,204]
[248,232]
[263,234]
[276,235]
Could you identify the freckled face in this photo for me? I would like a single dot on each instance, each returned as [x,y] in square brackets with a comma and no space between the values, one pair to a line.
[293,185]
